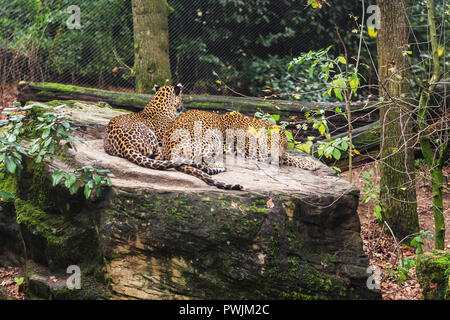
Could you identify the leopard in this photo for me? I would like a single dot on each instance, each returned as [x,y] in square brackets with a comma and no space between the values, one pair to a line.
[137,137]
[183,129]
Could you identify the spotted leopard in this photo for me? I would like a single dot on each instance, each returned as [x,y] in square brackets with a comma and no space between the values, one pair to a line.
[182,132]
[136,137]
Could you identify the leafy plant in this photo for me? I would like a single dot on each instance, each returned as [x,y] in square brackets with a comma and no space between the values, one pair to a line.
[19,281]
[405,264]
[333,71]
[51,131]
[88,177]
[417,241]
[371,192]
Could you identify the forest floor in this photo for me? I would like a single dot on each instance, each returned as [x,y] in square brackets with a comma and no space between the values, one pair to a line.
[378,243]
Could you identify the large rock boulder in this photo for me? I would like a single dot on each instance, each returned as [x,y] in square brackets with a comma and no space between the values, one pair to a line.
[291,234]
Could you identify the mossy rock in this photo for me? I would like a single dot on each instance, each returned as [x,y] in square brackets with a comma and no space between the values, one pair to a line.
[433,273]
[57,227]
[162,234]
[45,284]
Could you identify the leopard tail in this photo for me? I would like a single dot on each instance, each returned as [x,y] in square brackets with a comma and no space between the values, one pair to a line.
[179,165]
[207,178]
[147,162]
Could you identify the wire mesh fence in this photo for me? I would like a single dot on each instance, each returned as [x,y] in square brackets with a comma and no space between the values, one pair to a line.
[246,44]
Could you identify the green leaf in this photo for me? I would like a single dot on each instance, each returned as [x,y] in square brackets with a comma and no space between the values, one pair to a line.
[45,133]
[19,281]
[10,164]
[87,191]
[354,83]
[321,129]
[377,213]
[276,117]
[97,178]
[74,188]
[289,135]
[6,195]
[311,70]
[57,177]
[338,170]
[366,175]
[62,132]
[34,148]
[342,60]
[336,154]
[344,145]
[338,93]
[71,178]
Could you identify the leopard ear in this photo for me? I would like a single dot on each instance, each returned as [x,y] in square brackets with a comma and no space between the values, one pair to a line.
[178,89]
[156,87]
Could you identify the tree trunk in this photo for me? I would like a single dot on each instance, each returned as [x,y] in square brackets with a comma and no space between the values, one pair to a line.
[151,43]
[398,188]
[434,155]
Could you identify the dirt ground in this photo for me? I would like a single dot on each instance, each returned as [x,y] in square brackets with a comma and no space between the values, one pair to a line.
[379,244]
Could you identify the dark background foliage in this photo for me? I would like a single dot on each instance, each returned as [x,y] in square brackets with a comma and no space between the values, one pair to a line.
[246,44]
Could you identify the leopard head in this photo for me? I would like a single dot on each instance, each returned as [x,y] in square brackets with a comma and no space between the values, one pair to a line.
[163,108]
[167,101]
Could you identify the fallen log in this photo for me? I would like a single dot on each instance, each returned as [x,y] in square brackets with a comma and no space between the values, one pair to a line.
[45,91]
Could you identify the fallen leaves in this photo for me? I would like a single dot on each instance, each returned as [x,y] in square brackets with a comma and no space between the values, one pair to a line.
[10,280]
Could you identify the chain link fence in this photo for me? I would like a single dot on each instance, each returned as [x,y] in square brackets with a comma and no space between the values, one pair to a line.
[245,44]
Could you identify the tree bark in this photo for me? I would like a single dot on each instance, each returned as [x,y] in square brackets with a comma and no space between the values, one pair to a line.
[398,188]
[436,155]
[151,43]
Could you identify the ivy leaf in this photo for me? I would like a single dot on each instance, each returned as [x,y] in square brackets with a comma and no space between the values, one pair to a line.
[34,148]
[10,164]
[88,189]
[45,133]
[71,178]
[57,177]
[97,178]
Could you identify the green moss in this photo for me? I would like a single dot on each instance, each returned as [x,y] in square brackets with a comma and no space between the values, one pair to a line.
[8,183]
[51,227]
[317,287]
[58,239]
[129,101]
[43,93]
[38,192]
[433,273]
